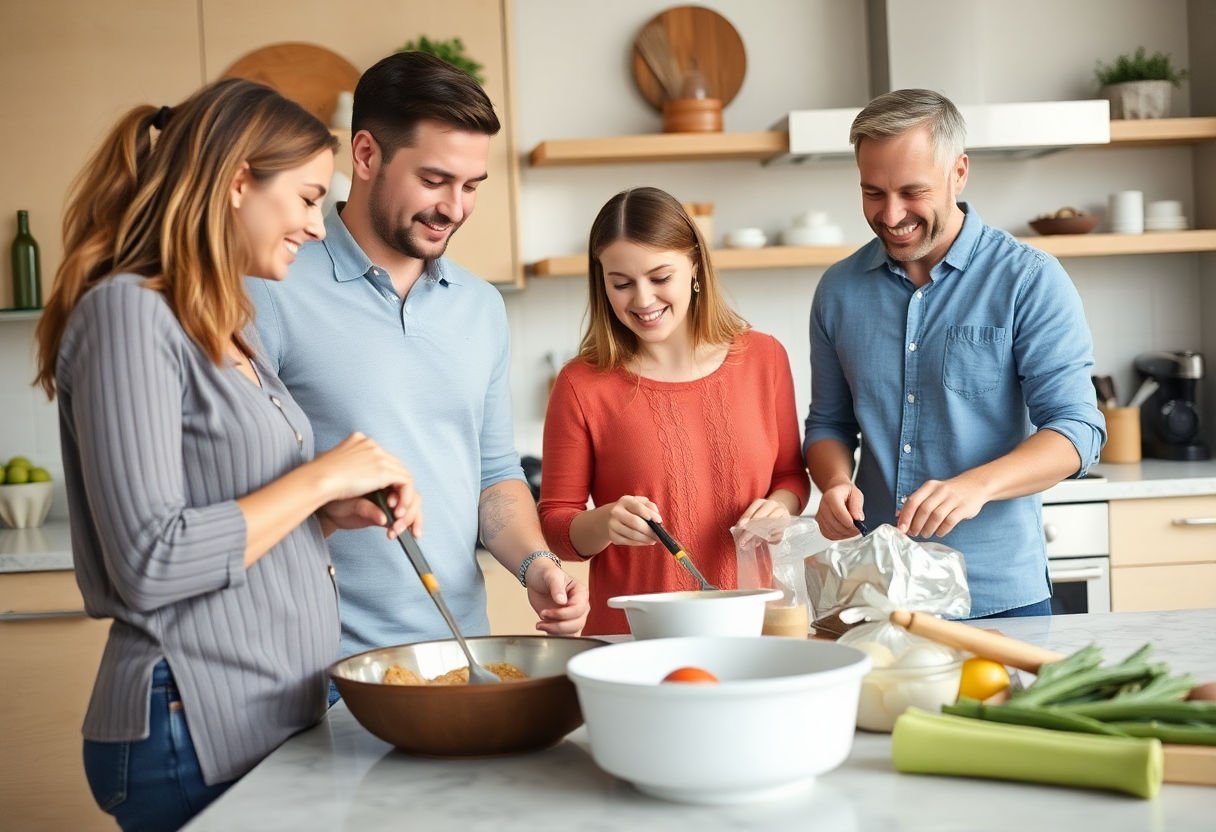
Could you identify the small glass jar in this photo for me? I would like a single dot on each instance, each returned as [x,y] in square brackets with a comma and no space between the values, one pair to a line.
[887,692]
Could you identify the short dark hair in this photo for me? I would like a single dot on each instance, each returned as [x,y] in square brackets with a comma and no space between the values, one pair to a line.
[405,88]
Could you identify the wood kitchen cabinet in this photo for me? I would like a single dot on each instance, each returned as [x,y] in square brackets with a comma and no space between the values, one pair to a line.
[49,653]
[363,34]
[1163,553]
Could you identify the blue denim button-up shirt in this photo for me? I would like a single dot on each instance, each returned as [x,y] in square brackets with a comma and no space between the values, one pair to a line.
[941,379]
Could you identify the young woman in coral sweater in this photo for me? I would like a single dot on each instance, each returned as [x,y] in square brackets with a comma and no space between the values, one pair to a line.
[675,410]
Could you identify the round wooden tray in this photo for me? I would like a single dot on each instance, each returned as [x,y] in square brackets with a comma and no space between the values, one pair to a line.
[699,37]
[308,74]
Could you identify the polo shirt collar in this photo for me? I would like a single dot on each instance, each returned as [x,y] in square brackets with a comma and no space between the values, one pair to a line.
[351,263]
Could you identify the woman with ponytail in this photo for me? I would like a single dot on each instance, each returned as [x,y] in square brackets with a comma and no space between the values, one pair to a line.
[197,508]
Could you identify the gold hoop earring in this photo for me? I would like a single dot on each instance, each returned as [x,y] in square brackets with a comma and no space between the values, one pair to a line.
[696,285]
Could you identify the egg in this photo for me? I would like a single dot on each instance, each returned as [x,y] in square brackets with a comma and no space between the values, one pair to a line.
[880,655]
[924,655]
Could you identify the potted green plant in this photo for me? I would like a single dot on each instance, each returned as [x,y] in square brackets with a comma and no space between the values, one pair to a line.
[451,51]
[1139,85]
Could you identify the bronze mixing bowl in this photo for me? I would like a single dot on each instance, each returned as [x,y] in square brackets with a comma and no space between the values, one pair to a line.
[466,720]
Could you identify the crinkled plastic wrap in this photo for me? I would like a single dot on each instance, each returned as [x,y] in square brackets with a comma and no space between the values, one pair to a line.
[911,575]
[769,555]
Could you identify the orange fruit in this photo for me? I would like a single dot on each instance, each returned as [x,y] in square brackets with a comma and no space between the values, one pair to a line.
[982,678]
[691,674]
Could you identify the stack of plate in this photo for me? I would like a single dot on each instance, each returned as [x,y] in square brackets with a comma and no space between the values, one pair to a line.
[1165,215]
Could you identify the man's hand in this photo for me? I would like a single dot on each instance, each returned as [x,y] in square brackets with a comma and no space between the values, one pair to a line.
[934,509]
[840,506]
[561,602]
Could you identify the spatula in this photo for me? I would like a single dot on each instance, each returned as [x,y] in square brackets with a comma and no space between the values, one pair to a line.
[682,557]
[478,675]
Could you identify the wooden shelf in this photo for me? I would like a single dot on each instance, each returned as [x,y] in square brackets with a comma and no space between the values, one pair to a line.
[784,257]
[1157,131]
[660,147]
[708,147]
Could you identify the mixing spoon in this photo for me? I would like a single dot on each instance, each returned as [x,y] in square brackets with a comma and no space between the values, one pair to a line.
[682,557]
[478,675]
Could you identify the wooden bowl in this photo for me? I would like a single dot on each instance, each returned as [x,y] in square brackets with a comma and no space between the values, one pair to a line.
[466,720]
[1080,224]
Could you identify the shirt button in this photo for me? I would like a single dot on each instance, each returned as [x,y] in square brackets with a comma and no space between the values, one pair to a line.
[299,436]
[912,347]
[331,570]
[907,449]
[911,399]
[274,400]
[902,499]
[919,295]
[407,309]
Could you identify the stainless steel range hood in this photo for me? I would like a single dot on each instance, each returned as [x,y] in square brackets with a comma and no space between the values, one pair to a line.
[905,50]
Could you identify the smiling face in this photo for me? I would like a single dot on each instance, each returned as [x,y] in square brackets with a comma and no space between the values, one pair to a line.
[426,191]
[909,197]
[649,290]
[280,214]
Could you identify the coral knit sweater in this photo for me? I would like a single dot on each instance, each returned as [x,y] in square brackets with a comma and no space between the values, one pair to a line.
[701,450]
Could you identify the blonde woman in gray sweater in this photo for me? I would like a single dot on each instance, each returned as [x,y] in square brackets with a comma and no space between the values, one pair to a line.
[197,508]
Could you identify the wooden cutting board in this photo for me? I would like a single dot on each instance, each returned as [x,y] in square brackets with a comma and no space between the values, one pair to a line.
[702,38]
[1194,764]
[308,74]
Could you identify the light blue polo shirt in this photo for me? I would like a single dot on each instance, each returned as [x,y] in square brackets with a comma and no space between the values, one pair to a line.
[941,378]
[426,377]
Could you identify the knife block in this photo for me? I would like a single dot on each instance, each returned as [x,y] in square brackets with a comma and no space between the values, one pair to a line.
[692,115]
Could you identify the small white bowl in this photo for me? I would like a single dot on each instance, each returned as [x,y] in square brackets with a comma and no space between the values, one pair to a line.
[25,506]
[721,612]
[781,714]
[746,238]
[812,235]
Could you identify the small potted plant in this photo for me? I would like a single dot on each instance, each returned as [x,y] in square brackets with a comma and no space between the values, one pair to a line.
[451,51]
[1139,85]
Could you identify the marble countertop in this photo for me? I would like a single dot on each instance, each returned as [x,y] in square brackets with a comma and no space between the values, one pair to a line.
[337,776]
[46,548]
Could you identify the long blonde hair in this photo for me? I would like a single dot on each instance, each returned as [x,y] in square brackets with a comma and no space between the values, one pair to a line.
[161,209]
[653,218]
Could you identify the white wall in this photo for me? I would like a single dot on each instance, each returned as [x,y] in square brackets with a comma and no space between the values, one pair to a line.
[811,53]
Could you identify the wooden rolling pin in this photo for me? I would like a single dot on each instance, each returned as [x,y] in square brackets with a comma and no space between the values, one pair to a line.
[983,643]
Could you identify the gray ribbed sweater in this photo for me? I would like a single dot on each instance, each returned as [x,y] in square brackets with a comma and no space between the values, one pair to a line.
[158,443]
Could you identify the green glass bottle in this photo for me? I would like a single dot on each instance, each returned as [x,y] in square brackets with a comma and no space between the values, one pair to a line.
[27,274]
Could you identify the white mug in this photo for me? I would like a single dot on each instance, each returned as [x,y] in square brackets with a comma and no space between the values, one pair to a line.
[1125,212]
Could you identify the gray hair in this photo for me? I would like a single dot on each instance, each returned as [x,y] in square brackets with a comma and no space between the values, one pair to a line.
[894,113]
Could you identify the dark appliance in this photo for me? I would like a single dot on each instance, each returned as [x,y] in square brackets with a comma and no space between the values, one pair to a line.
[1169,422]
[531,466]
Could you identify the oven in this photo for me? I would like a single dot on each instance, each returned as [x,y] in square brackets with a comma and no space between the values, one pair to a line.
[1078,556]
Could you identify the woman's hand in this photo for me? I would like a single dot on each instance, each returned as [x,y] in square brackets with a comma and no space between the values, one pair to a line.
[355,467]
[765,508]
[560,601]
[626,521]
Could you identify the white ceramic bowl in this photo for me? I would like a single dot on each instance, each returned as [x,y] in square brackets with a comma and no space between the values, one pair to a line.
[782,713]
[746,238]
[722,612]
[25,506]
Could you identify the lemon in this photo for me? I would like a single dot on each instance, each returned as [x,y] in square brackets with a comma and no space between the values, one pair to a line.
[1,475]
[16,475]
[40,475]
[982,678]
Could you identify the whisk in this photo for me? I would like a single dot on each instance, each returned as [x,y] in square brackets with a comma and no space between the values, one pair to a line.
[655,49]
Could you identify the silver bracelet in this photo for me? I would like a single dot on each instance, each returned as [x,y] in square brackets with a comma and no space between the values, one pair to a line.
[539,553]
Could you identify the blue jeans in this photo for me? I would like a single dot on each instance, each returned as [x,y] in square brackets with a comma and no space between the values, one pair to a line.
[1037,608]
[152,784]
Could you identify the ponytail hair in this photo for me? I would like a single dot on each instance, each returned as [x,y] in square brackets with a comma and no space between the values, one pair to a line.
[159,207]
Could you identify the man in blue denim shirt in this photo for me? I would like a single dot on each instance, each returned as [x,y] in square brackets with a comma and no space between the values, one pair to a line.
[958,354]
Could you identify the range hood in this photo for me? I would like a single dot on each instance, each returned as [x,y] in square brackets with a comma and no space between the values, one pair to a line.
[905,50]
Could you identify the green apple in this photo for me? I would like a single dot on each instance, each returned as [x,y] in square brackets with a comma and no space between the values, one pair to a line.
[16,475]
[40,475]
[20,462]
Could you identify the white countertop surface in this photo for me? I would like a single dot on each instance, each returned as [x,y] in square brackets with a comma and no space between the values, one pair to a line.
[46,548]
[338,777]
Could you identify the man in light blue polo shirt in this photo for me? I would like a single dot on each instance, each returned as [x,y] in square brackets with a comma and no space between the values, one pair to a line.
[958,354]
[376,331]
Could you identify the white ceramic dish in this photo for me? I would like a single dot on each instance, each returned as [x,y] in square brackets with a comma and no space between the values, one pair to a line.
[723,612]
[25,506]
[746,238]
[782,713]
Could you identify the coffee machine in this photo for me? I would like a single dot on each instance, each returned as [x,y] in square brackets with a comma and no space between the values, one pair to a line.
[1169,422]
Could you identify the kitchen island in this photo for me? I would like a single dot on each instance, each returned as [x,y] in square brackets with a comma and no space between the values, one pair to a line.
[337,776]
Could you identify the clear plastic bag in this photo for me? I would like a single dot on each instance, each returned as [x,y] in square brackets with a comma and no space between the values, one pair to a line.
[884,570]
[769,554]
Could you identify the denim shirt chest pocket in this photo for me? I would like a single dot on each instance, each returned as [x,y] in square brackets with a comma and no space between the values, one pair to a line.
[974,359]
